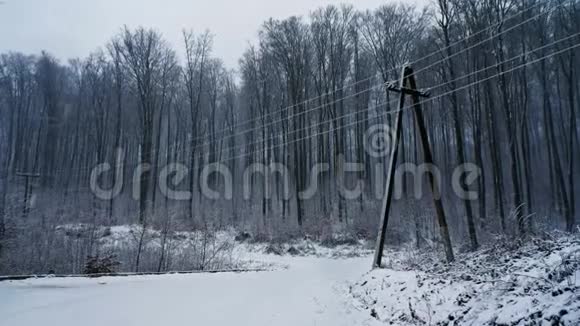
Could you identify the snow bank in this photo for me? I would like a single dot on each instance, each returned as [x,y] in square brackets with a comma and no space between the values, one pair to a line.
[510,283]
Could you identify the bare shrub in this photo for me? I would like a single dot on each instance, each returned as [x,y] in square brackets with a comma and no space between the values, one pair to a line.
[101,265]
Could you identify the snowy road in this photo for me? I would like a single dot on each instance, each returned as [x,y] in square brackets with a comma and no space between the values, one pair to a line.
[312,291]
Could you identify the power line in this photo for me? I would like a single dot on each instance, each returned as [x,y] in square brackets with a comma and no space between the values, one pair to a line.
[194,146]
[392,70]
[355,113]
[422,102]
[382,84]
[335,119]
[237,134]
[192,142]
[403,109]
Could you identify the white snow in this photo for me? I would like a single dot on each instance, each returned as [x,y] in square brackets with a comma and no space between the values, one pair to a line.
[311,291]
[509,283]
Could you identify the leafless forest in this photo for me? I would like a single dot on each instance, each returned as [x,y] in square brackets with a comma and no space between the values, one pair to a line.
[504,95]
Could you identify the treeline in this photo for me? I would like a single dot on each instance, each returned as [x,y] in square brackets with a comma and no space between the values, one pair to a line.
[504,96]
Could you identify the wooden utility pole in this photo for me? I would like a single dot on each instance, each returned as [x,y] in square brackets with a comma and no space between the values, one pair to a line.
[408,86]
[391,177]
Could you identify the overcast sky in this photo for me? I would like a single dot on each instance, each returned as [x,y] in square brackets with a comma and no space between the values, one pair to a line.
[74,28]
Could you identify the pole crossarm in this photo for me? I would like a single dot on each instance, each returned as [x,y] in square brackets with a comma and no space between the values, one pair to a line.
[408,91]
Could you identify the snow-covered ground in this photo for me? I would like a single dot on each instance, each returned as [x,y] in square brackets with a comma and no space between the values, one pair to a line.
[509,283]
[310,291]
[536,282]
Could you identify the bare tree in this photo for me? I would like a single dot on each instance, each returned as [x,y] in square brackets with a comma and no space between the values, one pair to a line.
[143,52]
